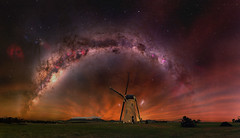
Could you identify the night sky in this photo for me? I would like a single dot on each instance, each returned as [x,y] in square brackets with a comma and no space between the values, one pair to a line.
[59,58]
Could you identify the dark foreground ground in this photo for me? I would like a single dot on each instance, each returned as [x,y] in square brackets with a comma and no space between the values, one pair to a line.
[107,129]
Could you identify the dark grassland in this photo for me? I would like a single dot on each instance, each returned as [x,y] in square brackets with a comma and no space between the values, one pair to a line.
[109,129]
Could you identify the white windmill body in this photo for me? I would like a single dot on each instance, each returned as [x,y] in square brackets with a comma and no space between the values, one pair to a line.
[130,111]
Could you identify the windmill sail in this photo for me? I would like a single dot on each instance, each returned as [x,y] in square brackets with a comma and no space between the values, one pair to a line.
[118,93]
[127,84]
[137,109]
[122,110]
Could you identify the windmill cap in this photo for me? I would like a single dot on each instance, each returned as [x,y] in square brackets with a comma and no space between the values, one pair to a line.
[130,97]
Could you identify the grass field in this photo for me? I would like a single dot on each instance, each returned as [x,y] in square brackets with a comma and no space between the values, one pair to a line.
[107,129]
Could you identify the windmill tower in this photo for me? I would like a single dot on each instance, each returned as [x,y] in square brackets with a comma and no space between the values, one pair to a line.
[130,111]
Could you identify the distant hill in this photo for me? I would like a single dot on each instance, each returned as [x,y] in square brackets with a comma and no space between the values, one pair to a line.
[85,119]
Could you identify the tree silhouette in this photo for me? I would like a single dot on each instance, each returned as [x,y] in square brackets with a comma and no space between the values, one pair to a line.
[187,122]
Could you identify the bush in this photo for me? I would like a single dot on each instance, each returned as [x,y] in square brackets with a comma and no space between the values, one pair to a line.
[196,121]
[187,122]
[226,124]
[10,120]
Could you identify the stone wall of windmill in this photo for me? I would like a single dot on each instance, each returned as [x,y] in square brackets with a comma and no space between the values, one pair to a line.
[130,112]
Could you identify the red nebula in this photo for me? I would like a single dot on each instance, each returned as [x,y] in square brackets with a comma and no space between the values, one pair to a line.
[15,52]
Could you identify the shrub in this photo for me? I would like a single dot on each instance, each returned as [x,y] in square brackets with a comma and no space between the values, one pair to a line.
[225,124]
[187,122]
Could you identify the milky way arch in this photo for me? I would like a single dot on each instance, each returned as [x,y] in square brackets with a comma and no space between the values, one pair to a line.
[74,48]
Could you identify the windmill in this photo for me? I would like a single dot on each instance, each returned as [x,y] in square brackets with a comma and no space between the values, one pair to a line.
[130,111]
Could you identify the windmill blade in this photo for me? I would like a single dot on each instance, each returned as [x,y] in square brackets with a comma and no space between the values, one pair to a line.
[122,110]
[137,109]
[127,85]
[117,93]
